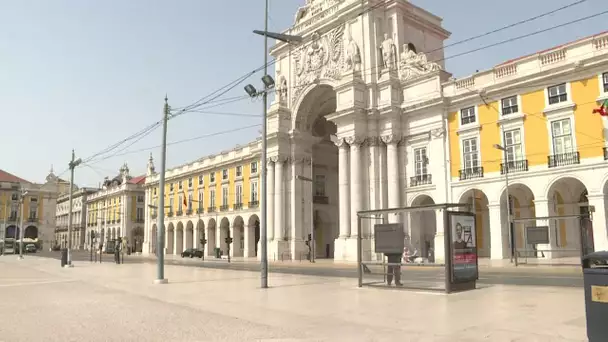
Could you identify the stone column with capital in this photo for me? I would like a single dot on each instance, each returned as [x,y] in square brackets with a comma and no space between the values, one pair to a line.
[499,232]
[344,188]
[600,232]
[356,181]
[279,200]
[541,209]
[392,171]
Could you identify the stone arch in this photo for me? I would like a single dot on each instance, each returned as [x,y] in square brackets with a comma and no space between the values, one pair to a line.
[12,232]
[211,236]
[564,195]
[153,239]
[559,180]
[30,232]
[522,205]
[479,204]
[422,228]
[137,239]
[179,238]
[200,233]
[170,238]
[252,238]
[189,234]
[303,104]
[238,242]
[224,232]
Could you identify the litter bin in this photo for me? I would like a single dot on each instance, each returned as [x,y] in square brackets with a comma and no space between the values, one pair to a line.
[595,275]
[64,257]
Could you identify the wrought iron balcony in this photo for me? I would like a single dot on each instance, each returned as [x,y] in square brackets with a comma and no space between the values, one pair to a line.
[471,173]
[563,159]
[118,221]
[189,211]
[32,219]
[320,199]
[224,207]
[514,166]
[254,204]
[113,221]
[237,206]
[211,209]
[200,210]
[421,180]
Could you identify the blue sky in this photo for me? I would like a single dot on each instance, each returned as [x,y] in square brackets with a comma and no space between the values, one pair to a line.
[86,74]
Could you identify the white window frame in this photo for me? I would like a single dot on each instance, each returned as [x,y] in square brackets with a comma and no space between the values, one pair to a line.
[518,104]
[254,195]
[522,150]
[212,198]
[257,167]
[171,204]
[225,174]
[475,115]
[201,180]
[190,183]
[568,101]
[190,198]
[238,193]
[603,93]
[225,196]
[462,153]
[318,180]
[424,163]
[180,203]
[212,177]
[572,136]
[239,171]
[201,198]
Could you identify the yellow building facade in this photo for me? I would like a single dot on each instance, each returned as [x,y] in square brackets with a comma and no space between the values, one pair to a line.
[212,198]
[530,122]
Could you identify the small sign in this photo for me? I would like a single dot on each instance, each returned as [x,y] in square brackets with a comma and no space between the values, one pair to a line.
[389,238]
[537,235]
[599,294]
[464,247]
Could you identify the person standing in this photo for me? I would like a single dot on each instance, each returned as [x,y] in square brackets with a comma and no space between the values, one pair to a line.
[394,269]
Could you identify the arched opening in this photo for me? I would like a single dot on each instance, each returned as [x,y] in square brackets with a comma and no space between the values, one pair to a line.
[318,199]
[224,232]
[179,238]
[252,238]
[238,240]
[31,232]
[170,237]
[422,229]
[189,234]
[211,237]
[568,196]
[200,233]
[153,239]
[137,238]
[521,200]
[478,202]
[12,232]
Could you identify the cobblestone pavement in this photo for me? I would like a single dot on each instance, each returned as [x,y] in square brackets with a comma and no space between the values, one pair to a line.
[106,302]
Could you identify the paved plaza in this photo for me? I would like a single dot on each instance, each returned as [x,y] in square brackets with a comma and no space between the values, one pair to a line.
[106,302]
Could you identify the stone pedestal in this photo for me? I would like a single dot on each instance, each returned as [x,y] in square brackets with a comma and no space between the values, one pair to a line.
[278,250]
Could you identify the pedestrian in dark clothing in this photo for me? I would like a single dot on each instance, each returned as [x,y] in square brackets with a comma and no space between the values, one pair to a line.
[394,269]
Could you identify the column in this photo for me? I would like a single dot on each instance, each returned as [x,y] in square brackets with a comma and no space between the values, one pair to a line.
[439,248]
[269,198]
[343,188]
[541,209]
[356,182]
[600,233]
[279,222]
[392,171]
[499,242]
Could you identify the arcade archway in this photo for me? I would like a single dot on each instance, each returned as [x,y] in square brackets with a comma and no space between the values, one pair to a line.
[422,228]
[252,238]
[478,202]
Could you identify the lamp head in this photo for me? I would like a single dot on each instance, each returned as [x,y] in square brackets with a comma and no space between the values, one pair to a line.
[268,81]
[251,91]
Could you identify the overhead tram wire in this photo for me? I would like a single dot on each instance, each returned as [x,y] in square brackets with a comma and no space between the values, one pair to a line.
[92,162]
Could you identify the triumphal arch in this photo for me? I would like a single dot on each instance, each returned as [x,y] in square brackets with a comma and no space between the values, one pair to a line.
[353,101]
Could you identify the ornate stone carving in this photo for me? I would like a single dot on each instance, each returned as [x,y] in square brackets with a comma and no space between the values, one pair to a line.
[320,59]
[391,139]
[413,65]
[388,51]
[277,159]
[352,57]
[282,90]
[355,141]
[340,142]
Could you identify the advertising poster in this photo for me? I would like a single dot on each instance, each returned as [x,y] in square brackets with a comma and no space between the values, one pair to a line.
[464,247]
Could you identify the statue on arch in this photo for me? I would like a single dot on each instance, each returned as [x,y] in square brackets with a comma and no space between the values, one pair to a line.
[353,54]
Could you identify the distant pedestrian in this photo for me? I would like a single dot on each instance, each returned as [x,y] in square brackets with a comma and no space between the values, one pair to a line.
[394,269]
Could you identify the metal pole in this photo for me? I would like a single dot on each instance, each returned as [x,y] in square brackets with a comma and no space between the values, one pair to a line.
[3,234]
[359,251]
[21,227]
[263,220]
[447,240]
[312,210]
[72,166]
[509,221]
[160,232]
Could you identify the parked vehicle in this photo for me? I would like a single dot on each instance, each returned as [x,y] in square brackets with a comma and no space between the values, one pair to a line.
[192,252]
[30,248]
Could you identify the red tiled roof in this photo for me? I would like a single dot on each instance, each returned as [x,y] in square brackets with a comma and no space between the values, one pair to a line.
[137,180]
[8,177]
[551,48]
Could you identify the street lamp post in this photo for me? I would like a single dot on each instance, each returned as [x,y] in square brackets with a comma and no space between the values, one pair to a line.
[251,91]
[509,220]
[73,164]
[160,232]
[21,200]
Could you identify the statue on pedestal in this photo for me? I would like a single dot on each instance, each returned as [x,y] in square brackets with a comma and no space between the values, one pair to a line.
[389,53]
